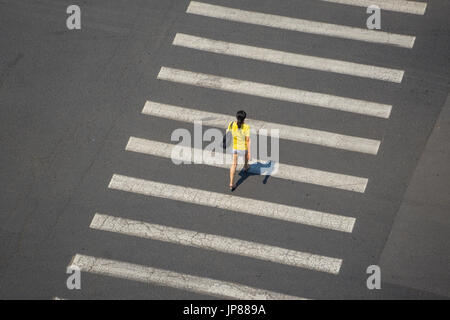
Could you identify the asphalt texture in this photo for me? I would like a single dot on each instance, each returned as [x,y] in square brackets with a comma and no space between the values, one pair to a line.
[423,219]
[71,99]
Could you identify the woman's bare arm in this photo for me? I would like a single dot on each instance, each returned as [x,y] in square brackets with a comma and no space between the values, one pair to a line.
[247,142]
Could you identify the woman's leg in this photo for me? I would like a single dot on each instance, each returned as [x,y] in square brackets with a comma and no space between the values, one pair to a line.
[246,156]
[233,170]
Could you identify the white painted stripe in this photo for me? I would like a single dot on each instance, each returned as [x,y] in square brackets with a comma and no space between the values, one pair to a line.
[161,277]
[289,59]
[233,203]
[300,25]
[221,160]
[216,243]
[412,7]
[299,134]
[275,92]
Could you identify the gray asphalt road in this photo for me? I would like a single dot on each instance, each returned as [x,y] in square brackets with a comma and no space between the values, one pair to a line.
[70,100]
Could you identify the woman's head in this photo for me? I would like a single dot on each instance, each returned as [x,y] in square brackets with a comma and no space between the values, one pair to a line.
[240,116]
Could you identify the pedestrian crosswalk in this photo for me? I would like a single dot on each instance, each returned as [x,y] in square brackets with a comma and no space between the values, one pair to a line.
[277,170]
[288,59]
[299,134]
[149,275]
[217,243]
[300,25]
[315,99]
[318,222]
[233,203]
[412,7]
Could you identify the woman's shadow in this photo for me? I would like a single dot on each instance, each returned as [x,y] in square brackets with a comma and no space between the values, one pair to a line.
[257,169]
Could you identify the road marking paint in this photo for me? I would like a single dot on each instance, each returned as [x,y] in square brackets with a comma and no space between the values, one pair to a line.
[283,171]
[161,277]
[289,59]
[300,25]
[233,203]
[412,7]
[298,134]
[216,243]
[275,92]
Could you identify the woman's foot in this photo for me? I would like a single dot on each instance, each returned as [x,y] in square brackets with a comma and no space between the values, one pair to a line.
[246,167]
[232,187]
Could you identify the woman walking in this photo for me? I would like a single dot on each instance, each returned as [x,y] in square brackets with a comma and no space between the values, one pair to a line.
[241,143]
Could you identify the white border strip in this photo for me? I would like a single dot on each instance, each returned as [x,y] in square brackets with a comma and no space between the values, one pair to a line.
[149,275]
[412,7]
[300,25]
[310,98]
[216,243]
[288,59]
[224,160]
[233,203]
[298,134]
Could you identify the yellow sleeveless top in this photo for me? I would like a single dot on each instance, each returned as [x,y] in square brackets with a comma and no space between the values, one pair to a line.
[239,135]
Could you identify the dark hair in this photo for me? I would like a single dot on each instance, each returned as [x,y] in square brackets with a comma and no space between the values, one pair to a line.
[240,116]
